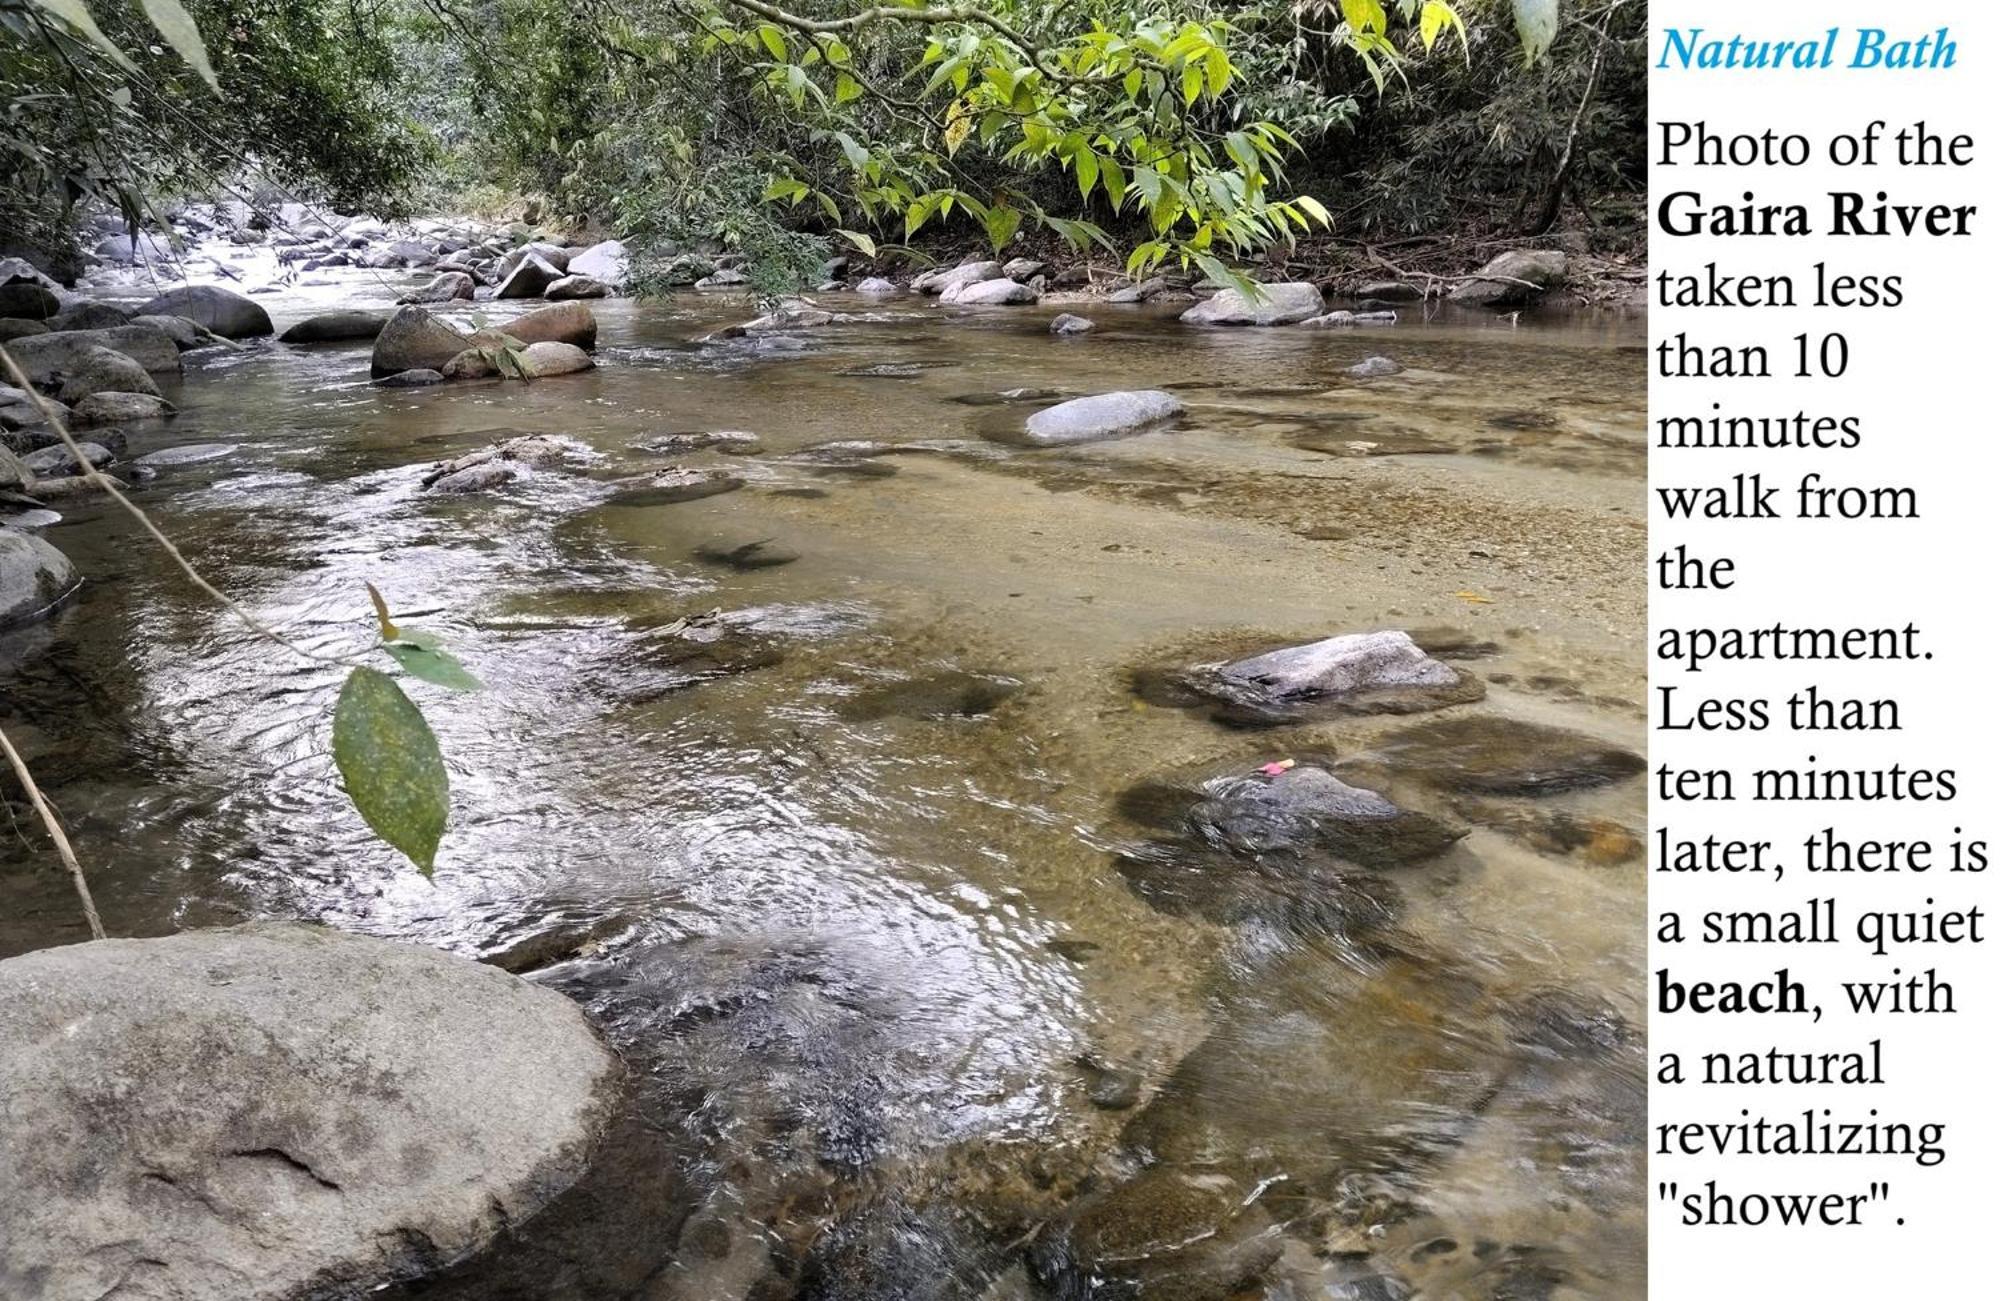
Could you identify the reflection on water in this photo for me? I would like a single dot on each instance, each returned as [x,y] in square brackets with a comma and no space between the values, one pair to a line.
[820,793]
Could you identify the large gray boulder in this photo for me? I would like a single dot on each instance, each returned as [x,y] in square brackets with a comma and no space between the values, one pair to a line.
[336,327]
[576,286]
[276,1112]
[1104,415]
[1515,278]
[413,339]
[1362,661]
[548,358]
[570,322]
[28,301]
[606,262]
[34,579]
[445,287]
[212,307]
[528,280]
[1000,292]
[1280,304]
[554,254]
[187,335]
[44,356]
[101,370]
[118,407]
[90,316]
[123,248]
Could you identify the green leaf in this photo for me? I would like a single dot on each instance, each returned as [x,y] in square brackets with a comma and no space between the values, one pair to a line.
[774,40]
[859,240]
[389,761]
[1086,171]
[846,89]
[77,16]
[857,157]
[1001,223]
[427,662]
[1315,209]
[1535,20]
[179,31]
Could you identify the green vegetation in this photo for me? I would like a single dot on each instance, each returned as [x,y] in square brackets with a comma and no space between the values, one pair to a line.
[1196,131]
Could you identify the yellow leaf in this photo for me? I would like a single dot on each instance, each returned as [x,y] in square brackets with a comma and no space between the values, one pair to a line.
[1473,598]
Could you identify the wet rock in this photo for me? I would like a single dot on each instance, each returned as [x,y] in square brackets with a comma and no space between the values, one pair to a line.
[28,301]
[574,286]
[13,327]
[492,467]
[413,339]
[1068,324]
[549,358]
[35,578]
[1514,279]
[533,275]
[726,278]
[483,477]
[1023,269]
[1504,756]
[793,315]
[1111,1088]
[1357,672]
[223,311]
[446,287]
[1167,1235]
[1307,810]
[1373,368]
[1006,397]
[555,256]
[890,369]
[100,370]
[418,377]
[213,1113]
[558,941]
[966,273]
[998,292]
[675,484]
[187,335]
[1391,291]
[1276,304]
[737,441]
[117,408]
[951,693]
[1328,321]
[44,356]
[148,247]
[1105,415]
[336,327]
[571,323]
[605,263]
[1352,442]
[1144,291]
[1378,317]
[877,287]
[168,458]
[765,553]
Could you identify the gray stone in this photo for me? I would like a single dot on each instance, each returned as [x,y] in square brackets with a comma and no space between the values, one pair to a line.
[59,462]
[44,356]
[483,477]
[997,292]
[1504,756]
[1023,269]
[445,287]
[117,408]
[1374,368]
[1514,279]
[529,279]
[560,323]
[606,262]
[415,377]
[414,339]
[1139,293]
[212,307]
[549,358]
[1278,304]
[555,255]
[101,370]
[1328,321]
[275,1112]
[575,286]
[1167,1235]
[724,440]
[1068,324]
[1390,291]
[28,301]
[877,287]
[336,327]
[1104,415]
[34,579]
[187,335]
[968,273]
[726,278]
[1365,661]
[14,327]
[186,454]
[122,248]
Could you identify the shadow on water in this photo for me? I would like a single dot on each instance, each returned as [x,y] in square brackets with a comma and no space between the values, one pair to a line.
[944,964]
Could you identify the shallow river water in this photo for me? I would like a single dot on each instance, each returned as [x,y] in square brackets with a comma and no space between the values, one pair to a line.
[854,865]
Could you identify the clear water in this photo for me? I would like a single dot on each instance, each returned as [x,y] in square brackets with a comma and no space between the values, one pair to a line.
[869,955]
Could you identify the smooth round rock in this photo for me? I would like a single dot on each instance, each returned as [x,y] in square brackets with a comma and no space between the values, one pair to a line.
[273,1112]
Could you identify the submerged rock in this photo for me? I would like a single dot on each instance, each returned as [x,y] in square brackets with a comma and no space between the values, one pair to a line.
[34,579]
[877,287]
[675,484]
[1279,304]
[1167,1235]
[1069,324]
[1505,756]
[722,440]
[187,454]
[765,553]
[1374,368]
[952,693]
[492,467]
[417,377]
[277,1111]
[1105,415]
[336,327]
[223,311]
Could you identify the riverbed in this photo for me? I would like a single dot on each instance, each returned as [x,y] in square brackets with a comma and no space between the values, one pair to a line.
[839,851]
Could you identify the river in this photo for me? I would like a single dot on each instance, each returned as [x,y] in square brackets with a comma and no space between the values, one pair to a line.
[845,862]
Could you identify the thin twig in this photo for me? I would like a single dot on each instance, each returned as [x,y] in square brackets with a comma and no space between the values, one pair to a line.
[54,827]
